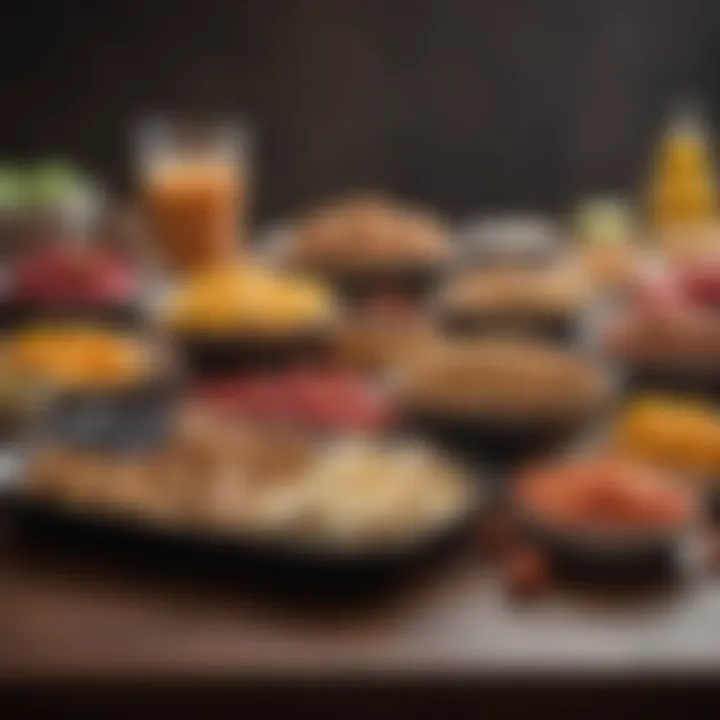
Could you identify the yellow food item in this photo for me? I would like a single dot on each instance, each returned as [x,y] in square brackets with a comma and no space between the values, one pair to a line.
[684,436]
[78,357]
[240,299]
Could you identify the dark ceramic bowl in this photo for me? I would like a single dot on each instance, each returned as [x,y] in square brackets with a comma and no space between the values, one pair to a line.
[628,557]
[16,314]
[702,382]
[413,282]
[501,442]
[710,490]
[208,355]
[565,328]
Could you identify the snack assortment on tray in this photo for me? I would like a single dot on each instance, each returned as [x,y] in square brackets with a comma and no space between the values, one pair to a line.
[361,384]
[228,478]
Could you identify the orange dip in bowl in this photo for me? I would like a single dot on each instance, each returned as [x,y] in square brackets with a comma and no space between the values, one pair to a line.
[604,496]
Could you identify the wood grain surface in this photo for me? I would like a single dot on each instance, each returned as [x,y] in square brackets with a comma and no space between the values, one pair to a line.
[71,613]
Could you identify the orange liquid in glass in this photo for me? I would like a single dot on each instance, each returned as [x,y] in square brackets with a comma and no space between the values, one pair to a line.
[193,209]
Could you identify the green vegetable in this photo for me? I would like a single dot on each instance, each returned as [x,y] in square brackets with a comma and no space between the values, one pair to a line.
[10,187]
[52,183]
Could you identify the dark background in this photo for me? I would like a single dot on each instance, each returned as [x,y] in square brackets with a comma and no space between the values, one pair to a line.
[466,104]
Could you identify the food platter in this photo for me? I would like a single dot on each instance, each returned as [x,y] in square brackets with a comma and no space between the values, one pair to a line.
[295,565]
[208,406]
[295,568]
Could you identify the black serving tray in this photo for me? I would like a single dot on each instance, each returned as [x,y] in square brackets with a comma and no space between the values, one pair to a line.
[137,422]
[290,566]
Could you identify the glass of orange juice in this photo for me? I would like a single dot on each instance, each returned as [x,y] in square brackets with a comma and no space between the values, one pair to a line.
[194,181]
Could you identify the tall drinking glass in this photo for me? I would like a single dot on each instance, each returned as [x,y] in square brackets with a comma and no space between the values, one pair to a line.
[193,180]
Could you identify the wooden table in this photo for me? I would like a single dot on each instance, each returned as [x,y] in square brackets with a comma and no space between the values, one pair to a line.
[78,619]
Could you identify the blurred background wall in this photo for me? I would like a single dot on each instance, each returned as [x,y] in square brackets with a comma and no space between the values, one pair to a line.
[466,104]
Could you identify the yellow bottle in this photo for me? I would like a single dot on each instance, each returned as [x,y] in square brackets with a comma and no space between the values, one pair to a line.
[683,188]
